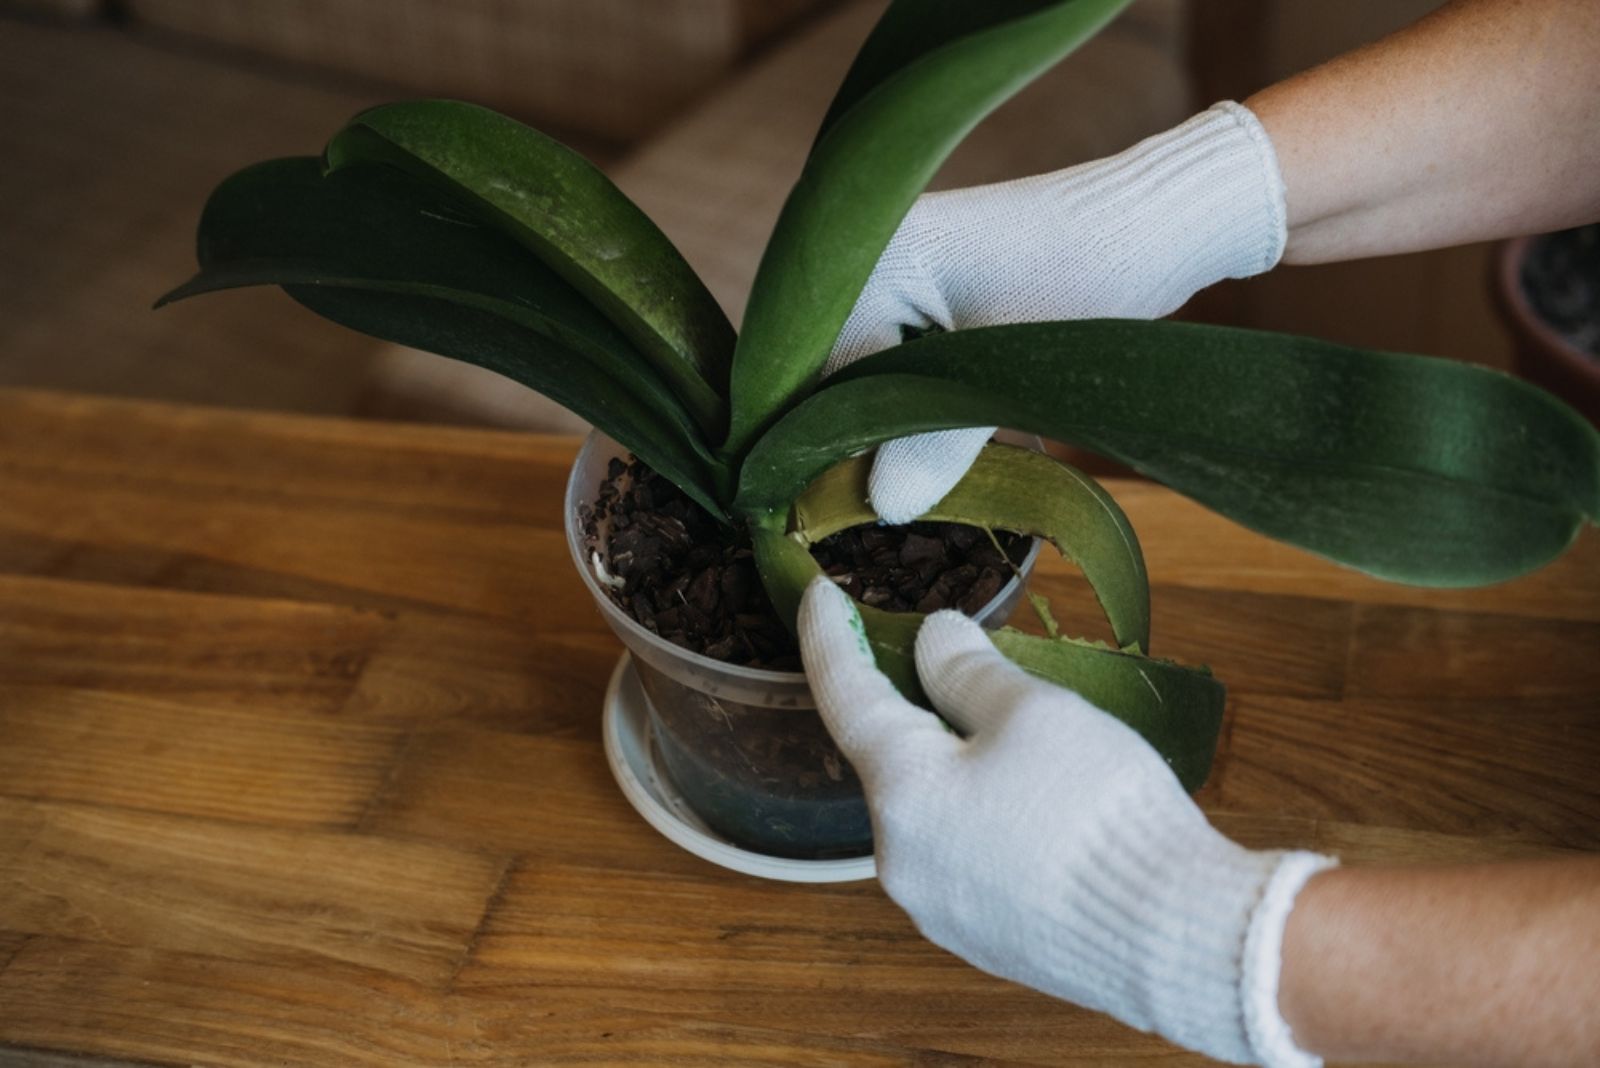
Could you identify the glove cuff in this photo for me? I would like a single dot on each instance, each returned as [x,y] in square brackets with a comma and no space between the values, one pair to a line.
[1134,235]
[1214,195]
[1270,1038]
[1201,920]
[1249,193]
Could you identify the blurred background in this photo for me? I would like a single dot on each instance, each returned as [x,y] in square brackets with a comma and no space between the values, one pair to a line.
[118,116]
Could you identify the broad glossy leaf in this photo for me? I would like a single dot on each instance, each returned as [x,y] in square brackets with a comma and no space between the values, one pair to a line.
[379,231]
[283,222]
[1009,488]
[1411,468]
[567,212]
[908,102]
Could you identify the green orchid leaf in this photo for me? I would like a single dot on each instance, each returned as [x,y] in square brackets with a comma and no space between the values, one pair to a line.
[909,101]
[283,222]
[909,30]
[490,341]
[1411,468]
[560,206]
[1010,488]
[379,251]
[1177,709]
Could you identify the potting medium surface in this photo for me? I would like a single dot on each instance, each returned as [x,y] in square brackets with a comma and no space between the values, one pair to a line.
[680,574]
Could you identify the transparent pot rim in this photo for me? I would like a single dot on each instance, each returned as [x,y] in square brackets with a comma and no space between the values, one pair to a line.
[598,441]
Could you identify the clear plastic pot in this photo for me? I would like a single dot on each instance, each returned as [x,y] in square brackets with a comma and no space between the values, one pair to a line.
[743,746]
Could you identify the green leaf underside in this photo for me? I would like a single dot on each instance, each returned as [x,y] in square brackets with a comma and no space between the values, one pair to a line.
[376,250]
[560,206]
[1177,709]
[906,111]
[373,227]
[489,341]
[1009,488]
[1414,469]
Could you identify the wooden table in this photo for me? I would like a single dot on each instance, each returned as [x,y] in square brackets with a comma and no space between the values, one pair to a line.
[300,764]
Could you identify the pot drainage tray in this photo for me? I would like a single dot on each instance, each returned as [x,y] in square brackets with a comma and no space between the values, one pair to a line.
[631,752]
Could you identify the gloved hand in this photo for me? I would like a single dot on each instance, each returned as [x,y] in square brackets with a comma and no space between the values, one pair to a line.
[1132,236]
[1051,845]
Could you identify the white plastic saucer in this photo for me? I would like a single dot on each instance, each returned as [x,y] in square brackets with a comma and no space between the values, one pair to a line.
[631,752]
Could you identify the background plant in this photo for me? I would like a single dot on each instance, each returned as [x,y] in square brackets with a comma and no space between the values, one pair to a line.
[447,227]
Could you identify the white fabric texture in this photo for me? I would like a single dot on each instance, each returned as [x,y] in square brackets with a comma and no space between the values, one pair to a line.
[1132,236]
[1049,844]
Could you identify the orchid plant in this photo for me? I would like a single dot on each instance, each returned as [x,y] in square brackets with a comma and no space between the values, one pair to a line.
[451,228]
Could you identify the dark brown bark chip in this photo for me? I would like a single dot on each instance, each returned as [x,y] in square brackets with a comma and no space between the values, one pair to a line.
[923,554]
[982,591]
[693,580]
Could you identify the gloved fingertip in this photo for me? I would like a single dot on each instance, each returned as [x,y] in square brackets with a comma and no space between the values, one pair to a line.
[834,649]
[949,633]
[969,680]
[899,494]
[825,608]
[897,513]
[823,596]
[865,714]
[818,592]
[910,475]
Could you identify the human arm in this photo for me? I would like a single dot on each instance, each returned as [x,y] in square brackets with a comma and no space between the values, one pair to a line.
[1132,236]
[1052,846]
[1474,964]
[1480,121]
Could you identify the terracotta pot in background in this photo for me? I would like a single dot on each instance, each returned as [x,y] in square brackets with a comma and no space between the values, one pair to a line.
[1543,355]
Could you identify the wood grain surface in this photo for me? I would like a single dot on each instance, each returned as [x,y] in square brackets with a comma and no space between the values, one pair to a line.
[300,764]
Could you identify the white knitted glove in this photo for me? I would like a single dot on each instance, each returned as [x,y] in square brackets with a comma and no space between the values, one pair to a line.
[1132,236]
[1051,845]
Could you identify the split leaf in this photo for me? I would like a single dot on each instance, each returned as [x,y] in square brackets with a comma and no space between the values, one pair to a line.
[1176,709]
[1010,488]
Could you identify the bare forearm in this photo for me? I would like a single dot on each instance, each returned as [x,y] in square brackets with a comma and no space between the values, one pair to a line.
[1492,964]
[1480,121]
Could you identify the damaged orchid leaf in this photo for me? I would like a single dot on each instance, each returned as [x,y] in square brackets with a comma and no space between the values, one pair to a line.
[1011,488]
[1178,709]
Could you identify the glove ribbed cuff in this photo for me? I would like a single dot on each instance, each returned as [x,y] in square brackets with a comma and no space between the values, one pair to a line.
[1212,187]
[1134,235]
[1231,173]
[1194,925]
[1269,1033]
